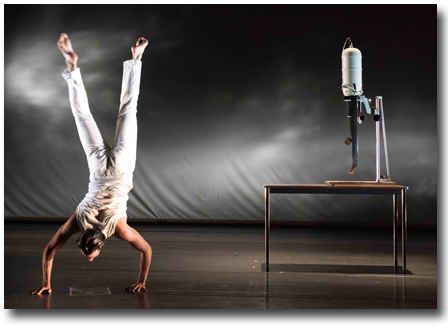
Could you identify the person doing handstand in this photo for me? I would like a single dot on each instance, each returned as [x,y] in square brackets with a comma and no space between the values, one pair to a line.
[102,212]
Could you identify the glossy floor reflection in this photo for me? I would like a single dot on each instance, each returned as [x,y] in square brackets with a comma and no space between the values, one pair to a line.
[222,267]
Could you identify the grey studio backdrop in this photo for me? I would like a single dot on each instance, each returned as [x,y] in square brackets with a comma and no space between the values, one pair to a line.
[231,97]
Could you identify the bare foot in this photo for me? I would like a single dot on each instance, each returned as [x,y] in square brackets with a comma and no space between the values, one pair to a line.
[139,48]
[65,46]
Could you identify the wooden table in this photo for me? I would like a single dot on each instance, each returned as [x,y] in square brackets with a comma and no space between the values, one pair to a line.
[398,193]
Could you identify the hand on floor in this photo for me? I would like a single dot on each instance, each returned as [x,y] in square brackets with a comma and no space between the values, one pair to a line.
[138,287]
[41,290]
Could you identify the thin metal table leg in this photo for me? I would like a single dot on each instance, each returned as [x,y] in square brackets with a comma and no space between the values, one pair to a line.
[394,223]
[404,227]
[267,224]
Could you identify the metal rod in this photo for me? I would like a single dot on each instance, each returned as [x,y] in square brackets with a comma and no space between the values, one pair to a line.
[267,224]
[395,209]
[403,228]
[353,112]
[377,125]
[383,124]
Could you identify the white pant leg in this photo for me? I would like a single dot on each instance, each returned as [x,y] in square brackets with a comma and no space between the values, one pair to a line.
[125,143]
[91,139]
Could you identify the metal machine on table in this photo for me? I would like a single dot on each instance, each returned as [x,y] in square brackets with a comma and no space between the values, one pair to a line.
[383,185]
[353,96]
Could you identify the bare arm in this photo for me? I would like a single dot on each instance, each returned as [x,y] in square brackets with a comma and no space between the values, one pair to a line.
[59,239]
[124,232]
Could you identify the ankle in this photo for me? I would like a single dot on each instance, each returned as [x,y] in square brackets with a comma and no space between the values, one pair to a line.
[136,56]
[71,66]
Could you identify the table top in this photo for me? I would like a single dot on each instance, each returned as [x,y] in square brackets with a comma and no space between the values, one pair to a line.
[327,188]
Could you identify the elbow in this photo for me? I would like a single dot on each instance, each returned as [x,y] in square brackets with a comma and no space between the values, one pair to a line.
[147,250]
[49,253]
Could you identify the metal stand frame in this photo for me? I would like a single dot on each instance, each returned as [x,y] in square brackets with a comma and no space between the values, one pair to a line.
[380,125]
[380,112]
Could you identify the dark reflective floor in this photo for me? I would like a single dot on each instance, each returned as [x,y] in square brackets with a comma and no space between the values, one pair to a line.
[222,267]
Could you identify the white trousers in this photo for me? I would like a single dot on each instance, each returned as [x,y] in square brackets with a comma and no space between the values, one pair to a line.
[103,159]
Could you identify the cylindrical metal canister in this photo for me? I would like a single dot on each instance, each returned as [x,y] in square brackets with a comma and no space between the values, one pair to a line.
[351,72]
